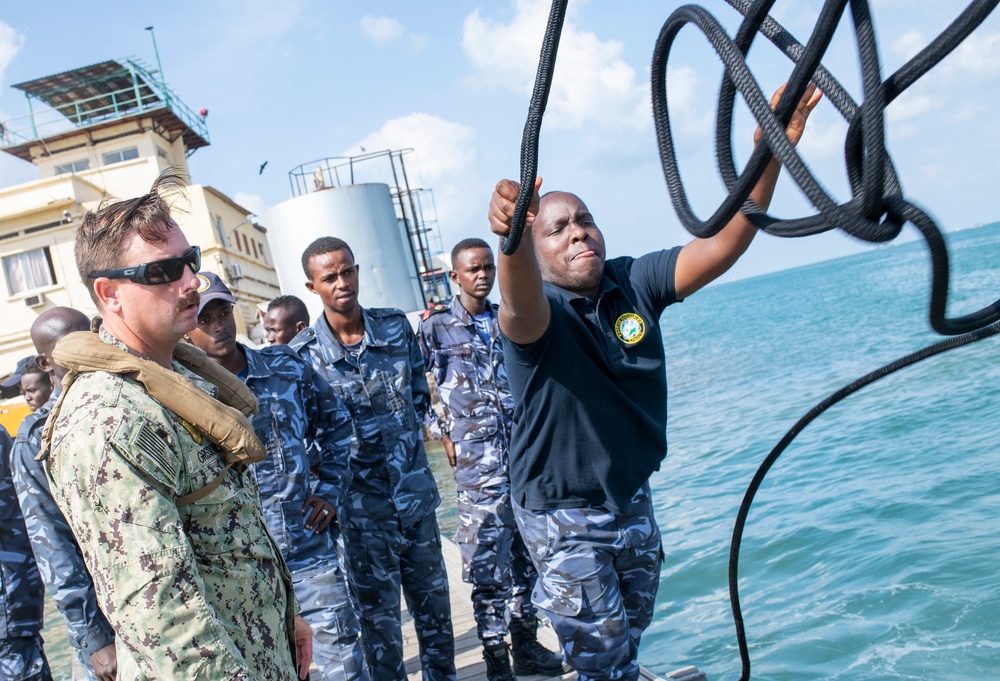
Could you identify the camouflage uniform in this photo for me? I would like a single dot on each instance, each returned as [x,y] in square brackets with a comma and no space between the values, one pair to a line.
[21,656]
[390,530]
[59,559]
[304,428]
[601,572]
[478,411]
[195,592]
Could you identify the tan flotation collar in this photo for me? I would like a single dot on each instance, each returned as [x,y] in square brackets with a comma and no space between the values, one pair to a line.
[224,420]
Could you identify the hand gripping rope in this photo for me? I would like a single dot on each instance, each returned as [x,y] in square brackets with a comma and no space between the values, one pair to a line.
[876,212]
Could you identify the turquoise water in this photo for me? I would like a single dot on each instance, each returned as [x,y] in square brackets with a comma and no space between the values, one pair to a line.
[871,549]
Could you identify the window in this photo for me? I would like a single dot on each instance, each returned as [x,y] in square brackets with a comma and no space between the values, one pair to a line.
[121,155]
[74,167]
[162,154]
[29,270]
[219,229]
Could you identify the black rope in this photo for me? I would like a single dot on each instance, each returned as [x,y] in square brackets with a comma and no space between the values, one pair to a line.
[876,211]
[758,478]
[533,125]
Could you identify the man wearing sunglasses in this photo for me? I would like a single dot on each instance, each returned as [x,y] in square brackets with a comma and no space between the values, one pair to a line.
[173,534]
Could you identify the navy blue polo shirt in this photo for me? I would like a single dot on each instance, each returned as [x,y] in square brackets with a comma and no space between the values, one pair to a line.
[590,415]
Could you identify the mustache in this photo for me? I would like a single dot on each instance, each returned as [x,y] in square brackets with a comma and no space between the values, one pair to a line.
[193,298]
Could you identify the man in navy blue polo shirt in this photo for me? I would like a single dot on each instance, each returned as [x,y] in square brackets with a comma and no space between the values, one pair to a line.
[585,359]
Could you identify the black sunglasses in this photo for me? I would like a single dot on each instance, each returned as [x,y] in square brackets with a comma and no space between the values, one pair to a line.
[156,272]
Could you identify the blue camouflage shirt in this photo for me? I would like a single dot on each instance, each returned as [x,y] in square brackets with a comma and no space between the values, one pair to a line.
[20,584]
[304,426]
[385,389]
[472,382]
[59,559]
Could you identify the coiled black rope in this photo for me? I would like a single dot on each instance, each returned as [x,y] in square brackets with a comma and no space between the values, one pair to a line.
[876,211]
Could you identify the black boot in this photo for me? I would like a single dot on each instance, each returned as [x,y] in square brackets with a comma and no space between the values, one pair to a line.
[530,656]
[497,660]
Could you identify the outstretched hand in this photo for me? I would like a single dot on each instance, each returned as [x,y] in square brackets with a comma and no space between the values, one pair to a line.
[502,204]
[797,124]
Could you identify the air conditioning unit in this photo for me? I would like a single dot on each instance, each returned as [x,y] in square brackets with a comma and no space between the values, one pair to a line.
[34,300]
[236,271]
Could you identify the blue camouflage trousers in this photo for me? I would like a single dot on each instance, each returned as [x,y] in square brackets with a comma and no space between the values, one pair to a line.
[598,573]
[383,559]
[495,559]
[324,595]
[22,659]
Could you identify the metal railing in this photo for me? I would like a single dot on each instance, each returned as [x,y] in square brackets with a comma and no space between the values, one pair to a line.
[145,93]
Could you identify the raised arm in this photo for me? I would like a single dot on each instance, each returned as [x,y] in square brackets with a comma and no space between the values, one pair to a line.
[524,309]
[702,261]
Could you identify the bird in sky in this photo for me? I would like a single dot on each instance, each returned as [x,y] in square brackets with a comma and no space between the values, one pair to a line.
[262,166]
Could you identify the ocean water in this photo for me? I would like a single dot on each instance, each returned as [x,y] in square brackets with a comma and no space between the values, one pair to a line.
[872,548]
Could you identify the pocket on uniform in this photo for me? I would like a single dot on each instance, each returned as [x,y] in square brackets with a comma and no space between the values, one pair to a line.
[473,428]
[558,596]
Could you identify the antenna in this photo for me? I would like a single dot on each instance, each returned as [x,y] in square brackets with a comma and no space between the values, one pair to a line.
[159,67]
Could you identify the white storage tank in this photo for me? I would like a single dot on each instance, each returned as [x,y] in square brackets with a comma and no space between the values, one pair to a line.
[363,216]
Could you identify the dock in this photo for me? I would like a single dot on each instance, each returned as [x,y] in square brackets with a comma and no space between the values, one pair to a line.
[468,649]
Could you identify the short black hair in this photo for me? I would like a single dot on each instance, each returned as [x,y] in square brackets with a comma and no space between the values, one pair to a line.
[294,308]
[33,368]
[466,244]
[322,246]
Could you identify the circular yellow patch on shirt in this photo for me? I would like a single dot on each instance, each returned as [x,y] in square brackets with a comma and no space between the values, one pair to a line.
[205,283]
[630,328]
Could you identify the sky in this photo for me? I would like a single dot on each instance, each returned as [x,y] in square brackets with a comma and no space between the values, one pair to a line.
[298,80]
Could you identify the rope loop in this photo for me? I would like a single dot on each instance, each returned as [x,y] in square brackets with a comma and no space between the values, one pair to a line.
[877,209]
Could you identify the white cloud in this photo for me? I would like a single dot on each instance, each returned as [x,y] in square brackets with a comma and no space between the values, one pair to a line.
[381,30]
[823,140]
[592,83]
[11,43]
[908,44]
[977,55]
[911,105]
[252,202]
[443,160]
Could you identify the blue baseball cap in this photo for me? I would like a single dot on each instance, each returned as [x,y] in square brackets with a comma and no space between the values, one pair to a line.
[212,288]
[14,379]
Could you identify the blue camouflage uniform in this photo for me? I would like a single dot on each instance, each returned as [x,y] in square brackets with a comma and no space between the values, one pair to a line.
[307,433]
[590,427]
[478,412]
[388,520]
[59,559]
[21,607]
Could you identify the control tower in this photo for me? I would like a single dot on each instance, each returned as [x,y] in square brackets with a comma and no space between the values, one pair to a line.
[107,131]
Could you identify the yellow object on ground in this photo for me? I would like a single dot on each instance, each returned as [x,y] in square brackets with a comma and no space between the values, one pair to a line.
[12,412]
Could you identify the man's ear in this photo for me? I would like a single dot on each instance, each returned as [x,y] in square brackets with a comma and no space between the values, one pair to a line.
[453,275]
[43,363]
[310,287]
[107,292]
[299,325]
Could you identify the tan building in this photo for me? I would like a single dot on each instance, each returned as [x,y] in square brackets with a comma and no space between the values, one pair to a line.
[106,131]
